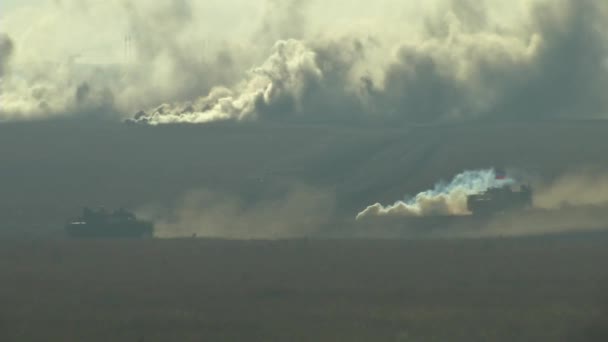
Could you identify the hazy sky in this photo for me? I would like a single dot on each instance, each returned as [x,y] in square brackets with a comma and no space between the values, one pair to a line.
[234,20]
[200,61]
[6,6]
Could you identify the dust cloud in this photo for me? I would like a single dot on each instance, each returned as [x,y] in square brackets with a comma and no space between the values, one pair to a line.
[301,211]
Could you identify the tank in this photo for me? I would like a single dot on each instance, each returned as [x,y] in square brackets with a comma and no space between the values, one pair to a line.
[102,224]
[500,200]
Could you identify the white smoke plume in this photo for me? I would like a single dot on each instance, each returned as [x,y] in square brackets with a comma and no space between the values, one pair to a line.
[280,81]
[189,61]
[444,199]
[301,211]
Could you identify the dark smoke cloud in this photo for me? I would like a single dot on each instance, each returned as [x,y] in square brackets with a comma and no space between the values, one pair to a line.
[6,50]
[566,79]
[467,69]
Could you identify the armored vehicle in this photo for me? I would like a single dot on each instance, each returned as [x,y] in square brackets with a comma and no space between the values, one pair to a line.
[499,200]
[102,224]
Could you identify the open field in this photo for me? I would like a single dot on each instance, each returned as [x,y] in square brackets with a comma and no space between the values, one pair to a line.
[305,290]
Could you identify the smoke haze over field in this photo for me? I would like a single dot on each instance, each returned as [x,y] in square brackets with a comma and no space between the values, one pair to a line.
[284,63]
[52,169]
[300,212]
[186,61]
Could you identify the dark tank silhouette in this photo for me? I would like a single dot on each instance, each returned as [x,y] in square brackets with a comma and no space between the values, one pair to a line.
[102,224]
[500,200]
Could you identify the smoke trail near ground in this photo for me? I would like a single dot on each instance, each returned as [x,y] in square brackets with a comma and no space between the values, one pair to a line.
[444,199]
[584,188]
[188,61]
[301,211]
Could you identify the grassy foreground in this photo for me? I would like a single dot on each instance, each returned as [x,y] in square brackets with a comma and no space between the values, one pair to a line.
[204,290]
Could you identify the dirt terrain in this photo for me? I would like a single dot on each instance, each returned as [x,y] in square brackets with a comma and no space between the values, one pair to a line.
[538,289]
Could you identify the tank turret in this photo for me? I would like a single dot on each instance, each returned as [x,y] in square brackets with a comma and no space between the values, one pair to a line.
[103,224]
[499,200]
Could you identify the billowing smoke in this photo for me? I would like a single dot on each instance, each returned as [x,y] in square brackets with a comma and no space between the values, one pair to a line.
[186,61]
[301,211]
[463,66]
[276,86]
[444,199]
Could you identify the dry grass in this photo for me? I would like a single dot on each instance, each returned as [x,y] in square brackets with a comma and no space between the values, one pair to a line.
[196,290]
